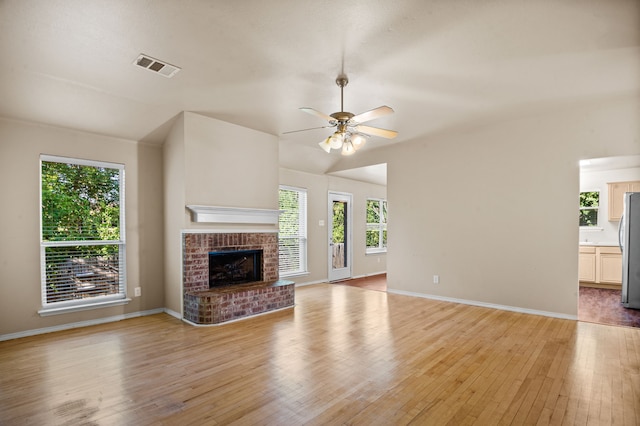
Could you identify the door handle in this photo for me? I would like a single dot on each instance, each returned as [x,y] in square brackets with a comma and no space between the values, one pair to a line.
[620,231]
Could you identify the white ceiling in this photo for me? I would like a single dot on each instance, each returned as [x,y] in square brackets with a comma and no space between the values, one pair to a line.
[441,64]
[375,173]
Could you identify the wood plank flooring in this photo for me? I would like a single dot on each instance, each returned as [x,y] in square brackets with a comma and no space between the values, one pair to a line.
[343,355]
[595,304]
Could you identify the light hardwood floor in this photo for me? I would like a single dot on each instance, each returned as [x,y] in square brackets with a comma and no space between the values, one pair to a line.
[343,355]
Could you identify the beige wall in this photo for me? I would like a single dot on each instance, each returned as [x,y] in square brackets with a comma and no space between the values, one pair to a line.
[318,187]
[20,147]
[228,165]
[473,207]
[174,202]
[213,163]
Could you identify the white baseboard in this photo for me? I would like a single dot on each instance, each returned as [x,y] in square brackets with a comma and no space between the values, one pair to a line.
[484,304]
[173,313]
[61,327]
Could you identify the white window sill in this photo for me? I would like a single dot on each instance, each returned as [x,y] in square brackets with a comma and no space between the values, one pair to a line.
[376,251]
[57,310]
[591,228]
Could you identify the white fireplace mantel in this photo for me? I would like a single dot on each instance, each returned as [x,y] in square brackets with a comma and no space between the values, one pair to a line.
[213,214]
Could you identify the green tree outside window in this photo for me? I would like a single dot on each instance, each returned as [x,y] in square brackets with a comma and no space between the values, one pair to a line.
[589,204]
[376,234]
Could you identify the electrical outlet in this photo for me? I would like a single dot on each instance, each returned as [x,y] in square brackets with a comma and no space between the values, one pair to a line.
[436,279]
[137,292]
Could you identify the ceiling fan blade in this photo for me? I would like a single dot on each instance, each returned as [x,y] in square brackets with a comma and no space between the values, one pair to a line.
[304,130]
[372,114]
[317,113]
[376,131]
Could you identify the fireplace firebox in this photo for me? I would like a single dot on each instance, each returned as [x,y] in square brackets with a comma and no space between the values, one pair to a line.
[234,267]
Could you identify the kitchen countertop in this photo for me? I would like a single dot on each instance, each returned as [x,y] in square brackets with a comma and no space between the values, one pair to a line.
[598,244]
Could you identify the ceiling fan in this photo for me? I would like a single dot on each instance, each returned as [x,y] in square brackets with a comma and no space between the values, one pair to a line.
[350,134]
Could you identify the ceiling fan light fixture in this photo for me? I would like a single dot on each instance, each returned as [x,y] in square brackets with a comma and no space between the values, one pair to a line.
[358,140]
[326,145]
[348,149]
[350,135]
[336,140]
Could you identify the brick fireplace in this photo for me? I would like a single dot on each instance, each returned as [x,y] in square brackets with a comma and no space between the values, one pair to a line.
[203,305]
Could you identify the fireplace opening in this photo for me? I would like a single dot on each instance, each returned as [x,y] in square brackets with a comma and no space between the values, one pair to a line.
[234,267]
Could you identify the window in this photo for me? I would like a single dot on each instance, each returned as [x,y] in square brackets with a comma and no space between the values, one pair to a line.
[589,203]
[292,238]
[376,225]
[82,233]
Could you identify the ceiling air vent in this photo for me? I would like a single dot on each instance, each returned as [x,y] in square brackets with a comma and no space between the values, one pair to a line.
[156,66]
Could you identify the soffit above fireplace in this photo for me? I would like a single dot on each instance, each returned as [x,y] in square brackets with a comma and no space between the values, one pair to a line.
[213,214]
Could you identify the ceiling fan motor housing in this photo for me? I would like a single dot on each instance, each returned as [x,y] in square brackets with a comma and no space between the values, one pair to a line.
[342,116]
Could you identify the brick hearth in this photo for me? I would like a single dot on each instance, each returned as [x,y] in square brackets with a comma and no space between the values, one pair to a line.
[212,306]
[228,303]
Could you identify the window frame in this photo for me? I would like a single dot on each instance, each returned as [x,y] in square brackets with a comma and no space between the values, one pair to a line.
[54,308]
[302,232]
[381,226]
[596,208]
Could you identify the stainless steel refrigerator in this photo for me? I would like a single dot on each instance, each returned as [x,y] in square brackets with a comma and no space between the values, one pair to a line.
[629,240]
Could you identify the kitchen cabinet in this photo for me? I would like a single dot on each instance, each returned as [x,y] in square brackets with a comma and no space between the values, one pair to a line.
[616,197]
[609,265]
[587,263]
[600,265]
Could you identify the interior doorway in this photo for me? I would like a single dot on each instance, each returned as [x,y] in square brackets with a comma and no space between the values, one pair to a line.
[600,258]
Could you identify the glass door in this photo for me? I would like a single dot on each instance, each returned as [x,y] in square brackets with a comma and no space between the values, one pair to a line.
[340,252]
